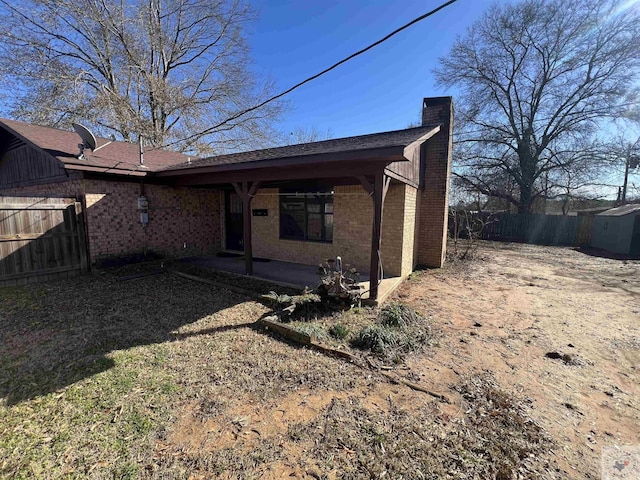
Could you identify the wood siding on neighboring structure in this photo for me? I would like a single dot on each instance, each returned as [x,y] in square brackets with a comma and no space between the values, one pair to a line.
[23,165]
[584,231]
[40,239]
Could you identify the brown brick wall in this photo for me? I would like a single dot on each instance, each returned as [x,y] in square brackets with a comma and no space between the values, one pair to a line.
[178,217]
[433,199]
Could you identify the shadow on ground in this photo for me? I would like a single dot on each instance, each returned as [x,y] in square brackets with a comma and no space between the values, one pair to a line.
[598,252]
[55,334]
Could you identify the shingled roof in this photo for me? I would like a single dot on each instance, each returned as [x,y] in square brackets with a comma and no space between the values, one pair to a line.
[117,157]
[123,157]
[396,138]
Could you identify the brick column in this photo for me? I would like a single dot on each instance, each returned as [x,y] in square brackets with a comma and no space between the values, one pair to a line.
[435,174]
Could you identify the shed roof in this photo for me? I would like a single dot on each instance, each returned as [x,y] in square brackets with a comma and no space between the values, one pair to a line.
[117,157]
[621,211]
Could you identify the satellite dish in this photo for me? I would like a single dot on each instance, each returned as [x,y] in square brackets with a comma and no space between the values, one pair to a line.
[88,139]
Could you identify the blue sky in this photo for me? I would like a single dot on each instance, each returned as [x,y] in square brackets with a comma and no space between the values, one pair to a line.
[380,90]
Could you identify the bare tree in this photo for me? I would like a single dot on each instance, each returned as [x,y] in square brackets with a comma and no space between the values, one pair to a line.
[538,80]
[307,135]
[165,70]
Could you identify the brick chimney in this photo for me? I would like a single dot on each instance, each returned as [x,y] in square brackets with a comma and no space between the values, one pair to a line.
[435,175]
[437,110]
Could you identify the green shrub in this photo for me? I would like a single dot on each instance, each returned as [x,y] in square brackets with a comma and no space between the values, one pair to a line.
[277,299]
[339,331]
[399,315]
[399,330]
[316,331]
[376,338]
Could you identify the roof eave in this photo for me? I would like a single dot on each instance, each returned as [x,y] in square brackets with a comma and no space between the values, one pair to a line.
[392,154]
[109,170]
[412,151]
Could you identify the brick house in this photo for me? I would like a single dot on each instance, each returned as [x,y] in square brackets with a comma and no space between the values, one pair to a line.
[376,200]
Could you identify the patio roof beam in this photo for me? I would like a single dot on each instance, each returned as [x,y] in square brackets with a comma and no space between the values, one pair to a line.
[246,191]
[391,153]
[366,184]
[310,172]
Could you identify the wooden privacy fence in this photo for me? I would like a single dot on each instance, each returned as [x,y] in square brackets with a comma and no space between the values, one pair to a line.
[41,239]
[539,229]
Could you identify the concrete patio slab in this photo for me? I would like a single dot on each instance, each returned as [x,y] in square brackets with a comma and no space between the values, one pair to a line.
[288,274]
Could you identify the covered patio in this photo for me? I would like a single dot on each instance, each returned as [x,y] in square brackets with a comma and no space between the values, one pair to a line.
[299,205]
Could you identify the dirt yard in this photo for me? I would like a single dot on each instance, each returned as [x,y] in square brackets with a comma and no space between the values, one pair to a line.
[530,301]
[536,348]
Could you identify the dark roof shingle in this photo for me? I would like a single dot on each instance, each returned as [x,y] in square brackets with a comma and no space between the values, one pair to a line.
[347,144]
[123,157]
[116,156]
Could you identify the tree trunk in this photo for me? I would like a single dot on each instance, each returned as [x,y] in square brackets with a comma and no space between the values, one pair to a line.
[526,200]
[528,165]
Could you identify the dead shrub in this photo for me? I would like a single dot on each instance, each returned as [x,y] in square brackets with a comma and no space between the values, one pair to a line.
[339,283]
[465,232]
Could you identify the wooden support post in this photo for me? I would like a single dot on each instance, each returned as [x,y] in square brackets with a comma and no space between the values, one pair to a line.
[246,191]
[82,243]
[378,191]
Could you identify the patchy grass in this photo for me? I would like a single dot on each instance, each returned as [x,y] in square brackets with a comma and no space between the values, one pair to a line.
[105,418]
[89,381]
[161,377]
[14,299]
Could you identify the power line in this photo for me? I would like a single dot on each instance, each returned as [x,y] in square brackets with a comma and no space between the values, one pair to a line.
[326,70]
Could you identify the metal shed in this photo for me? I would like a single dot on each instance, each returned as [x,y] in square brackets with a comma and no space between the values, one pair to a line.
[618,230]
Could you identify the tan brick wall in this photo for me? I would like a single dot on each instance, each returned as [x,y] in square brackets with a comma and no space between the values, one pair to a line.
[393,230]
[433,201]
[178,217]
[353,212]
[398,230]
[409,259]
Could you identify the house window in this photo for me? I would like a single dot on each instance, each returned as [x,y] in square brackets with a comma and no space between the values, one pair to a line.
[307,214]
